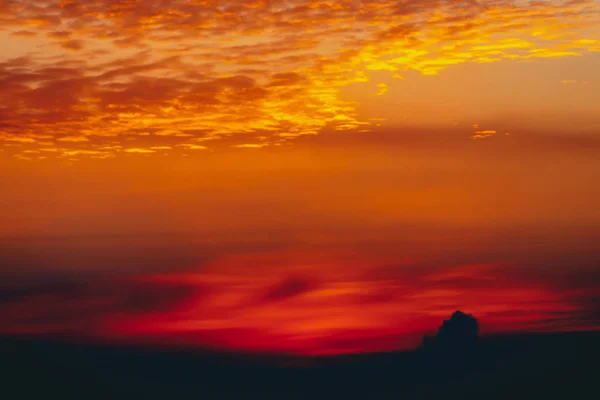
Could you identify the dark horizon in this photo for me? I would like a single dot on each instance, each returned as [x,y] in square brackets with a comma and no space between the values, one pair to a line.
[458,366]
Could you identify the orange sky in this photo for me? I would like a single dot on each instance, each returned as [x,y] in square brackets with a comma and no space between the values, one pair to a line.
[301,175]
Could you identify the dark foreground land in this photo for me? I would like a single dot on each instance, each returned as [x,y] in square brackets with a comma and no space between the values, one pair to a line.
[548,366]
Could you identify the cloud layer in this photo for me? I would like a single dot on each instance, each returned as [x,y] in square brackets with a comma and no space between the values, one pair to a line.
[302,302]
[101,77]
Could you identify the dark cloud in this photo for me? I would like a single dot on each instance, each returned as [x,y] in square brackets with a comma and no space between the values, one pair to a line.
[64,290]
[61,303]
[290,287]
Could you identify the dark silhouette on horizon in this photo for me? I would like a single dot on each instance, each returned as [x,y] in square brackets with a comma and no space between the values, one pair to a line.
[458,334]
[455,364]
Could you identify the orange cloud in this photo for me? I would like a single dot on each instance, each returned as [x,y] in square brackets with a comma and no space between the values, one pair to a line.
[160,76]
[483,134]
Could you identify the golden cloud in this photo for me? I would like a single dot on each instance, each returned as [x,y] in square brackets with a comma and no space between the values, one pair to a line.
[155,77]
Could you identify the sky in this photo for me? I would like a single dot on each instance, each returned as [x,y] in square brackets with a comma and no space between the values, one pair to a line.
[298,176]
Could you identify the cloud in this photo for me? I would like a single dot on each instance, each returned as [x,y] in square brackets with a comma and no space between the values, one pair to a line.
[26,34]
[193,146]
[250,145]
[104,68]
[483,134]
[77,306]
[288,288]
[383,88]
[139,151]
[301,301]
[73,139]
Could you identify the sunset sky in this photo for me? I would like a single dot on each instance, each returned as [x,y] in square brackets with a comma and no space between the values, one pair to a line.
[298,175]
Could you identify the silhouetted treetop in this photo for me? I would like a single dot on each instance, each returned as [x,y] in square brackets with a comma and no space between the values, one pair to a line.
[459,332]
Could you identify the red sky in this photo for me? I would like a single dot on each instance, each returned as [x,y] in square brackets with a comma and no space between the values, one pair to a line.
[304,176]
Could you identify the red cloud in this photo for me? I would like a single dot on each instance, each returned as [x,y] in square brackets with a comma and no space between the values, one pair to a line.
[297,302]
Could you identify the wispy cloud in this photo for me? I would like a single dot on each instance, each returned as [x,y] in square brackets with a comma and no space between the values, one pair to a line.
[483,134]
